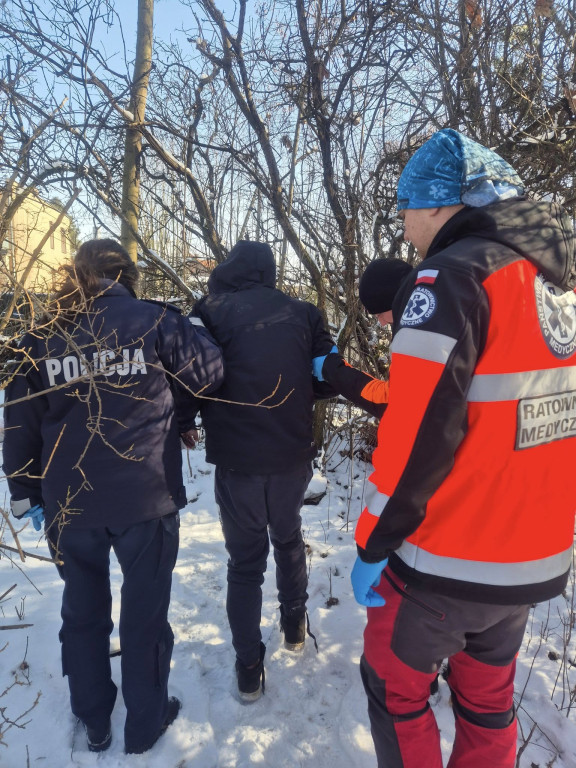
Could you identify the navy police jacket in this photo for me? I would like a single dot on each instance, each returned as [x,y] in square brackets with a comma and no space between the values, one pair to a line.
[91,432]
[261,421]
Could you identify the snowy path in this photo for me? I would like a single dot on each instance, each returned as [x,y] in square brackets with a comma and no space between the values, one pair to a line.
[314,712]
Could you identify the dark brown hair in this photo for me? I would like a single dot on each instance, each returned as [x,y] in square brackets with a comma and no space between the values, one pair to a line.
[80,282]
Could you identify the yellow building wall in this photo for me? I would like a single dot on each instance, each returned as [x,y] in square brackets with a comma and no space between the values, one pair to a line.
[31,222]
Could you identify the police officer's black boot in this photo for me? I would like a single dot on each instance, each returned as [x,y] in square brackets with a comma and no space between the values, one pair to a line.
[99,739]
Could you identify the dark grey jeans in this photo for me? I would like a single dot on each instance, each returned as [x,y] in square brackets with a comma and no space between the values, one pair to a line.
[251,506]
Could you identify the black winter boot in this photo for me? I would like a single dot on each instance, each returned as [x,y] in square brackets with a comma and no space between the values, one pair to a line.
[99,739]
[293,625]
[174,707]
[251,680]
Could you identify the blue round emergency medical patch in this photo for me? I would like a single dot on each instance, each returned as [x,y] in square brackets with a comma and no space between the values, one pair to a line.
[420,307]
[557,316]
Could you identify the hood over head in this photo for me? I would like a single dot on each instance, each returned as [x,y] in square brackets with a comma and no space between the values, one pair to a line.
[249,263]
[541,232]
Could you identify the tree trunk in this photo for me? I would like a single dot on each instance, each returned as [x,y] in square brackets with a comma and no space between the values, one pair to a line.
[133,145]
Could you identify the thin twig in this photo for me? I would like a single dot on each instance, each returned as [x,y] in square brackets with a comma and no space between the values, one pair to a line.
[6,517]
[526,742]
[23,572]
[16,626]
[9,589]
[28,554]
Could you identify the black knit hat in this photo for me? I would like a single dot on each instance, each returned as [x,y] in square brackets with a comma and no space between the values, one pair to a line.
[380,282]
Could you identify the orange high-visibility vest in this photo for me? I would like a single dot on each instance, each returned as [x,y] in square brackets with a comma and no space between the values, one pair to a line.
[471,484]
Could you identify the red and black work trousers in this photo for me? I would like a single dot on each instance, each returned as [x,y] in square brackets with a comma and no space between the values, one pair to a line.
[405,642]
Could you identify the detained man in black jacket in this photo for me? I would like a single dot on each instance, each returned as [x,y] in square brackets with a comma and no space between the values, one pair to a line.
[261,443]
[92,447]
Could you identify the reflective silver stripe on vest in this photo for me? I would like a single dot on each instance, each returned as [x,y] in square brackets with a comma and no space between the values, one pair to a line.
[196,321]
[426,345]
[498,387]
[501,574]
[374,500]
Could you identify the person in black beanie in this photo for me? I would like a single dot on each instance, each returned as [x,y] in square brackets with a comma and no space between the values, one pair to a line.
[377,290]
[379,285]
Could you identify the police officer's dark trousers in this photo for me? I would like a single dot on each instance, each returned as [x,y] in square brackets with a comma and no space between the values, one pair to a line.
[250,506]
[147,554]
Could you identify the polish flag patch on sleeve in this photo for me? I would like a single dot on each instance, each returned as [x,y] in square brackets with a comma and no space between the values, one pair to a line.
[427,276]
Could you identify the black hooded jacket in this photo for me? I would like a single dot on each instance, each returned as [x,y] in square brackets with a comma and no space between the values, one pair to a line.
[261,421]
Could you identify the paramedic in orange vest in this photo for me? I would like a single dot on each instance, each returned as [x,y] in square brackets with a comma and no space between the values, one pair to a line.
[452,548]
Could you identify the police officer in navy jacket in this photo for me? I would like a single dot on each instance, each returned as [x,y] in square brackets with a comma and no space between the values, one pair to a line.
[92,445]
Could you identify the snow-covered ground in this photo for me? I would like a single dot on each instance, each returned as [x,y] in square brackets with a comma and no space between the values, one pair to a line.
[314,711]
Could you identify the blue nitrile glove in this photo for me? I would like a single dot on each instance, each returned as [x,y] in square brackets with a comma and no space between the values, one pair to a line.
[318,362]
[37,514]
[364,576]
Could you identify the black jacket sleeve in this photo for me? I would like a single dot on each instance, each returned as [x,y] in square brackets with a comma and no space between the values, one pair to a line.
[322,344]
[189,352]
[360,388]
